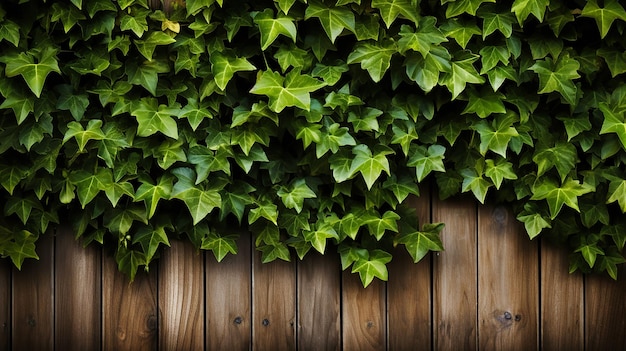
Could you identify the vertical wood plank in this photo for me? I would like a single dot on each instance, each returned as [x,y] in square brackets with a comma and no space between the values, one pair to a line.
[562,302]
[364,323]
[319,313]
[409,291]
[228,297]
[5,304]
[274,305]
[33,300]
[78,294]
[130,309]
[605,307]
[181,298]
[507,282]
[455,276]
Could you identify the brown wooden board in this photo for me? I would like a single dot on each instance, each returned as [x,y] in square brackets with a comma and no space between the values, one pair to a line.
[364,318]
[508,279]
[5,304]
[33,300]
[605,312]
[455,276]
[409,294]
[78,294]
[181,298]
[273,305]
[562,302]
[319,307]
[130,309]
[228,299]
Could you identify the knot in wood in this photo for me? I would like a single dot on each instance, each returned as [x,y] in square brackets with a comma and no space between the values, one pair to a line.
[370,324]
[518,317]
[238,320]
[151,322]
[265,322]
[31,322]
[508,316]
[499,215]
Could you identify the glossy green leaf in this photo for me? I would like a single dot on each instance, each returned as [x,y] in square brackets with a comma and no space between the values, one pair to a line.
[294,195]
[558,76]
[423,39]
[224,68]
[152,192]
[373,57]
[89,184]
[220,245]
[153,118]
[499,170]
[419,243]
[476,183]
[271,27]
[495,136]
[524,8]
[604,16]
[292,90]
[21,247]
[461,73]
[370,164]
[333,19]
[150,238]
[557,196]
[373,266]
[390,10]
[34,66]
[426,160]
[200,202]
[147,46]
[83,136]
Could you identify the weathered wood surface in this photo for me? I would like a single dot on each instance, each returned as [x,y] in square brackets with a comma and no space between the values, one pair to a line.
[491,289]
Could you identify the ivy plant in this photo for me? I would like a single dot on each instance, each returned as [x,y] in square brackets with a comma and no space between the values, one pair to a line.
[309,123]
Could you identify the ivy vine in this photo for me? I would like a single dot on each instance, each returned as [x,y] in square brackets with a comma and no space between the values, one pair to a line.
[309,123]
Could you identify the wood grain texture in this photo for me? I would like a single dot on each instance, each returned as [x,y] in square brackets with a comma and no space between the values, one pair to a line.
[181,298]
[562,302]
[33,300]
[455,276]
[274,305]
[78,294]
[5,304]
[364,318]
[508,280]
[605,311]
[319,305]
[228,299]
[409,294]
[129,309]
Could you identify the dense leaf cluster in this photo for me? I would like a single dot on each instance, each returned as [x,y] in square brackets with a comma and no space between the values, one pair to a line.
[309,123]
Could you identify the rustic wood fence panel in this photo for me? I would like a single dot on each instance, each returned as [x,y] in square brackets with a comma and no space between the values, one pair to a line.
[492,289]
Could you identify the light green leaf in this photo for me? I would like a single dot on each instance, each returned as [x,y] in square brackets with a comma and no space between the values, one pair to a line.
[369,164]
[374,57]
[235,201]
[419,243]
[402,187]
[224,68]
[34,66]
[476,183]
[147,46]
[557,196]
[333,19]
[330,74]
[196,112]
[377,226]
[271,27]
[558,76]
[365,119]
[10,31]
[391,9]
[461,72]
[495,136]
[523,9]
[120,220]
[89,184]
[265,210]
[426,160]
[274,251]
[75,130]
[562,155]
[460,30]
[153,118]
[151,193]
[199,201]
[499,170]
[533,222]
[373,266]
[460,7]
[115,192]
[485,102]
[220,245]
[319,236]
[150,238]
[617,192]
[604,16]
[21,247]
[423,39]
[589,251]
[615,60]
[292,90]
[146,74]
[492,21]
[490,56]
[294,195]
[613,122]
[21,103]
[21,206]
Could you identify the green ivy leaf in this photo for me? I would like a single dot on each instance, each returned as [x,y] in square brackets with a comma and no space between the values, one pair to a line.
[558,76]
[604,16]
[10,31]
[534,222]
[492,21]
[271,27]
[21,104]
[460,7]
[476,183]
[21,247]
[319,236]
[372,266]
[557,196]
[615,60]
[461,31]
[590,251]
[613,123]
[374,57]
[199,201]
[390,10]
[274,251]
[563,156]
[147,46]
[484,103]
[294,195]
[34,66]
[89,184]
[461,72]
[120,220]
[426,161]
[292,90]
[21,206]
[377,226]
[150,238]
[495,136]
[333,19]
[153,118]
[83,136]
[424,39]
[419,243]
[220,245]
[152,192]
[524,8]
[369,164]
[617,192]
[224,68]
[499,170]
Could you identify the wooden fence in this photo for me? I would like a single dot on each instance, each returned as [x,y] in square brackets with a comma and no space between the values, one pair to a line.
[492,289]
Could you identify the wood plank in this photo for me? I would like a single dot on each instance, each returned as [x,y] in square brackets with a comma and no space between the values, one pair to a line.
[228,297]
[409,294]
[319,309]
[78,294]
[455,276]
[130,309]
[562,302]
[33,299]
[363,309]
[5,304]
[605,312]
[508,280]
[181,298]
[273,305]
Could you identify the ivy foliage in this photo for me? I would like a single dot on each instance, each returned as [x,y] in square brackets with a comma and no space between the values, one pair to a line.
[309,123]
